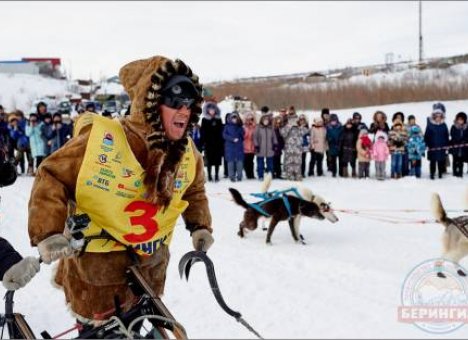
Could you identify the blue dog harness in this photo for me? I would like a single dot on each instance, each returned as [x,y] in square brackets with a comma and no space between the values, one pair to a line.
[272,195]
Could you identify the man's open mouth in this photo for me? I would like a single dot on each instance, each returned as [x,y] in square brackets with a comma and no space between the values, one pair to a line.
[179,124]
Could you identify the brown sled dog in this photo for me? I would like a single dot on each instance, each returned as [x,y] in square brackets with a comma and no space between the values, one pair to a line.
[455,237]
[277,211]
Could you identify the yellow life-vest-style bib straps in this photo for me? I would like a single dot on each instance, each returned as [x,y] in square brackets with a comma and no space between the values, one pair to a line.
[110,190]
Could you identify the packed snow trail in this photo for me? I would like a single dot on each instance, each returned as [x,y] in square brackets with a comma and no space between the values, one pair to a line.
[344,283]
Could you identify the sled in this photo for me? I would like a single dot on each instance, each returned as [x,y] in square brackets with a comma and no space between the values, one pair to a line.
[148,307]
[121,325]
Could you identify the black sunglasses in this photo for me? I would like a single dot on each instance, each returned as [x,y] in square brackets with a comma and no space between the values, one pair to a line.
[177,103]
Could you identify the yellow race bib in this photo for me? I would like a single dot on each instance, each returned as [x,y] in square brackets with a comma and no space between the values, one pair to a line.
[110,190]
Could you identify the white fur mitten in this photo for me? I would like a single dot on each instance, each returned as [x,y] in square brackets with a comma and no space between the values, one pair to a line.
[54,247]
[21,273]
[202,239]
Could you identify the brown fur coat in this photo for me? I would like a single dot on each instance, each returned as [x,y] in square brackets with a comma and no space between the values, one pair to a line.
[91,281]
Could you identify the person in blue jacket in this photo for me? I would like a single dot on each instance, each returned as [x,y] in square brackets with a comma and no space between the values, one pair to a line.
[20,140]
[436,138]
[416,149]
[36,143]
[334,133]
[233,135]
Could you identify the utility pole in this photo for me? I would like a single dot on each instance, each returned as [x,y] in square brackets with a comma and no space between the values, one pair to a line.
[420,33]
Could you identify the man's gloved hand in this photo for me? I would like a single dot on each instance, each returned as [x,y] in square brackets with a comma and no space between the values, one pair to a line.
[202,239]
[21,273]
[54,247]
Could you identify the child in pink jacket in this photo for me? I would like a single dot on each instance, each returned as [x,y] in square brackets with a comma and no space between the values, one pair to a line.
[380,153]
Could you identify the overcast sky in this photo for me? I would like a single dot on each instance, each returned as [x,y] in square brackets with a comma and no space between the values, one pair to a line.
[226,40]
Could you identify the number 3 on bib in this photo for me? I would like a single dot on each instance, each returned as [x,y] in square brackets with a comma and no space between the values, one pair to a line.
[145,220]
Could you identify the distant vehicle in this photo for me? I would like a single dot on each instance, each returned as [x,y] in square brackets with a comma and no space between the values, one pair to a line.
[236,103]
[111,106]
[97,104]
[64,107]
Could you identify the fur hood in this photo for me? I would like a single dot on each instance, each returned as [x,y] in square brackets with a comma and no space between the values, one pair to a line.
[381,134]
[232,115]
[144,80]
[431,120]
[318,122]
[249,115]
[210,105]
[374,118]
[303,116]
[270,120]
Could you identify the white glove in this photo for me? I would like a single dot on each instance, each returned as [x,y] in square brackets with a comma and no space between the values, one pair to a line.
[54,247]
[202,235]
[21,273]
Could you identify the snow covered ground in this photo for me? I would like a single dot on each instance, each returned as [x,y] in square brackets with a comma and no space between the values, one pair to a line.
[346,282]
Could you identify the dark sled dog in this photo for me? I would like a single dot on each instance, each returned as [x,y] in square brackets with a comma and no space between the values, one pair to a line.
[455,237]
[278,212]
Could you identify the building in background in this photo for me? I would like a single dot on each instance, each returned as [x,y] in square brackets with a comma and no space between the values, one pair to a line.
[47,66]
[18,66]
[44,66]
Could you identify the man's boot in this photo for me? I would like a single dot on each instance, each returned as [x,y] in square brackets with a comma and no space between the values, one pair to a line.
[353,172]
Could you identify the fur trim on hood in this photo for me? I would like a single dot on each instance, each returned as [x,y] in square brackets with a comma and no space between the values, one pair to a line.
[211,105]
[318,122]
[144,80]
[268,115]
[431,119]
[374,118]
[363,132]
[381,134]
[248,115]
[232,115]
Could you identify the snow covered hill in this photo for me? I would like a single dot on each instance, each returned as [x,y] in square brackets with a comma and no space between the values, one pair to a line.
[18,91]
[345,283]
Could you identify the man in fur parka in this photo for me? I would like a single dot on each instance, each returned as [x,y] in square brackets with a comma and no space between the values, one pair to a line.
[134,177]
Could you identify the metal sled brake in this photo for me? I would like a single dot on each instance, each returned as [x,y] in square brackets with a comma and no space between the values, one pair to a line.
[17,326]
[272,195]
